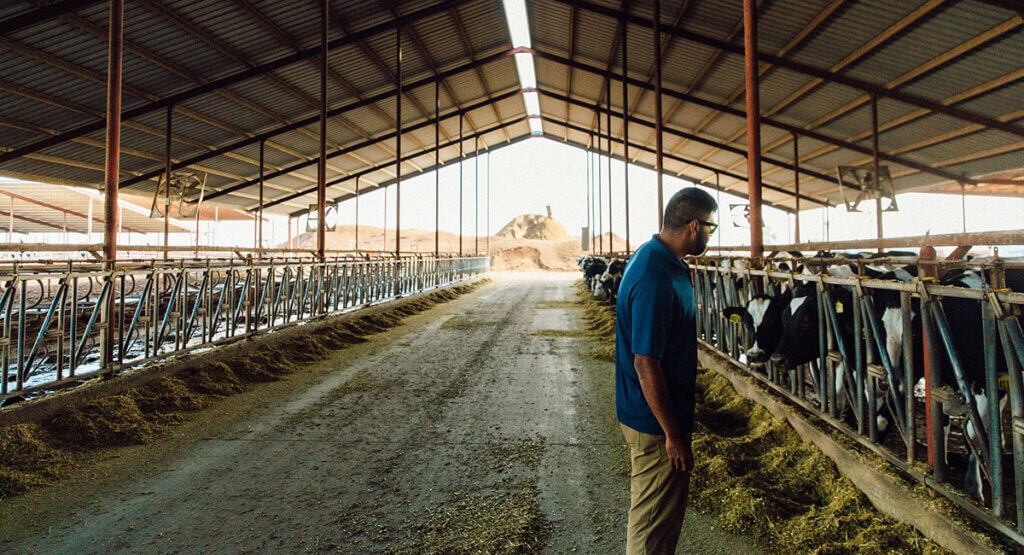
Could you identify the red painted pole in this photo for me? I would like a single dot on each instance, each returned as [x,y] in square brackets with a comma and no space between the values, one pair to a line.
[398,141]
[659,146]
[753,127]
[625,124]
[321,167]
[796,186]
[112,217]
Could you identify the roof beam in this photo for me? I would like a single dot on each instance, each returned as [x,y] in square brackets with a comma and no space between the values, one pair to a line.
[823,74]
[370,142]
[45,13]
[464,37]
[703,182]
[310,120]
[232,79]
[766,120]
[697,138]
[497,127]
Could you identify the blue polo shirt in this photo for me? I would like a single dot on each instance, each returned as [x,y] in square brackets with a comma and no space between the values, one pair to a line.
[656,315]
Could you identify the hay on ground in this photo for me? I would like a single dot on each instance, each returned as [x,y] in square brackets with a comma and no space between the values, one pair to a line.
[28,461]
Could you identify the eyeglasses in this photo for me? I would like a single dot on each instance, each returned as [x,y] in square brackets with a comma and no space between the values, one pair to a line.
[711,225]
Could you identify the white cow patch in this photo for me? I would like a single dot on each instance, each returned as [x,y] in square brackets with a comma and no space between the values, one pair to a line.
[796,303]
[840,270]
[757,309]
[892,321]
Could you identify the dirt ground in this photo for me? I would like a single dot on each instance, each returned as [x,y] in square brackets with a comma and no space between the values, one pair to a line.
[490,396]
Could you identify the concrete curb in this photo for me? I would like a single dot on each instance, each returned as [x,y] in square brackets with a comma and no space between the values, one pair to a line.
[37,410]
[882,490]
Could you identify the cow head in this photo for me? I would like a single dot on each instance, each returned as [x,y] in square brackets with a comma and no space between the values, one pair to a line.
[799,342]
[761,317]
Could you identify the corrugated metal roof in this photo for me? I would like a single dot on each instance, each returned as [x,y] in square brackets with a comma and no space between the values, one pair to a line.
[51,81]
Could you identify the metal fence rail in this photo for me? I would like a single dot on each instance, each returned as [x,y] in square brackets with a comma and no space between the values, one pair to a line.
[53,321]
[862,365]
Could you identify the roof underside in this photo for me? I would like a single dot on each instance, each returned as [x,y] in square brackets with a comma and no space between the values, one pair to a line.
[948,75]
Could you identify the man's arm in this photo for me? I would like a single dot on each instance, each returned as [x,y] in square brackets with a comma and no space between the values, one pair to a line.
[652,383]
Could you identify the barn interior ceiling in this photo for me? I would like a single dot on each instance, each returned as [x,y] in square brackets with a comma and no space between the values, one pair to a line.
[234,80]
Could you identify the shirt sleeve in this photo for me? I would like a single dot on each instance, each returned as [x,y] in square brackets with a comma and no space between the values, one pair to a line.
[651,315]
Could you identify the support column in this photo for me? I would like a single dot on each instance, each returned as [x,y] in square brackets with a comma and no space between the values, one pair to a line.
[259,213]
[796,185]
[586,159]
[608,137]
[874,156]
[658,144]
[398,141]
[437,168]
[753,127]
[112,219]
[476,195]
[461,156]
[488,224]
[357,212]
[625,122]
[167,180]
[600,183]
[321,167]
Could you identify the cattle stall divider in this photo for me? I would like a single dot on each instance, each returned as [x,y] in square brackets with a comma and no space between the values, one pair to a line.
[53,323]
[854,379]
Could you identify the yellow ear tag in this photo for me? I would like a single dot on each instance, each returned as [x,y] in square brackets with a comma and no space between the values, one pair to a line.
[1004,382]
[735,318]
[839,307]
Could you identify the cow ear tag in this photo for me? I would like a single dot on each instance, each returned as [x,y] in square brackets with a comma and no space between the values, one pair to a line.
[839,307]
[735,318]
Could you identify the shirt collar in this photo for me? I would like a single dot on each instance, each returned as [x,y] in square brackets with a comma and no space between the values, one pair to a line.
[661,249]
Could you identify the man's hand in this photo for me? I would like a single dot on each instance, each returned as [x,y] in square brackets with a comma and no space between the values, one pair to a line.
[680,454]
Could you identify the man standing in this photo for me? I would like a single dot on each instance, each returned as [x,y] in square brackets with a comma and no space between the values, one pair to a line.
[656,370]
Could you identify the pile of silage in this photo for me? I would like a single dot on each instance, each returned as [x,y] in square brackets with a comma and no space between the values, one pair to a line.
[757,477]
[34,455]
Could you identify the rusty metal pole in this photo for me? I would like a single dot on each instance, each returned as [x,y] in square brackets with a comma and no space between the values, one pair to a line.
[167,180]
[476,195]
[461,156]
[753,127]
[259,214]
[600,183]
[437,168]
[398,141]
[658,142]
[874,152]
[321,167]
[625,123]
[608,137]
[357,212]
[112,217]
[796,186]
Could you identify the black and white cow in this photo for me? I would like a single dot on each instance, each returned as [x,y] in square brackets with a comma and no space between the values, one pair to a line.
[763,319]
[608,284]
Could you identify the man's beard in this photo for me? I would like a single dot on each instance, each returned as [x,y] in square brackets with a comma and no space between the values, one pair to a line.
[702,245]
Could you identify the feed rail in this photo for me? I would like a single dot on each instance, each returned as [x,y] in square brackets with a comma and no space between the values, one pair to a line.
[53,323]
[916,448]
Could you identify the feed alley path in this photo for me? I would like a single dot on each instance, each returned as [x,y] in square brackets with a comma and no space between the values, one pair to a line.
[480,423]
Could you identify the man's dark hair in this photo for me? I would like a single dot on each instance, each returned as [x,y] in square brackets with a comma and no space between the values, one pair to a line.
[687,205]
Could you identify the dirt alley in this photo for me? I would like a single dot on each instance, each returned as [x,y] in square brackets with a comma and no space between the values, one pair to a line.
[356,457]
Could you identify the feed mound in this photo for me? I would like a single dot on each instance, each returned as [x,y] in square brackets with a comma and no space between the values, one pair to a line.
[534,226]
[756,476]
[32,456]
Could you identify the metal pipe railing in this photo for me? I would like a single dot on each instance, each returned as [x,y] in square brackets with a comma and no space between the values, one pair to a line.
[864,367]
[163,310]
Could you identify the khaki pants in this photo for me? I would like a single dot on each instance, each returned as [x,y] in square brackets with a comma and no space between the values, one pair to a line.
[657,495]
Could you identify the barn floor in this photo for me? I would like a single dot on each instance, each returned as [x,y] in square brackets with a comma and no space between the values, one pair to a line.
[483,412]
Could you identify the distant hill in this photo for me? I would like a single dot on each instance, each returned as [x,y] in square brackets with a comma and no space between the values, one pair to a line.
[534,226]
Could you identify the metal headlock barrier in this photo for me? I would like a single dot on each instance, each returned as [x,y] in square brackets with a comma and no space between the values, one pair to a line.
[53,322]
[918,448]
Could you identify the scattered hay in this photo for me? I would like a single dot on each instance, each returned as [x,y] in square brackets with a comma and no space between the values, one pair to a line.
[33,456]
[114,420]
[505,455]
[459,323]
[562,333]
[557,304]
[505,520]
[28,461]
[755,474]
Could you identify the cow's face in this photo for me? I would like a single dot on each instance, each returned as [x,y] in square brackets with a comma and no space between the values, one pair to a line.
[762,318]
[799,342]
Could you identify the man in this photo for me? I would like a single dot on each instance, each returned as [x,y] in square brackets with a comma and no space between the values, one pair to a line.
[656,370]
